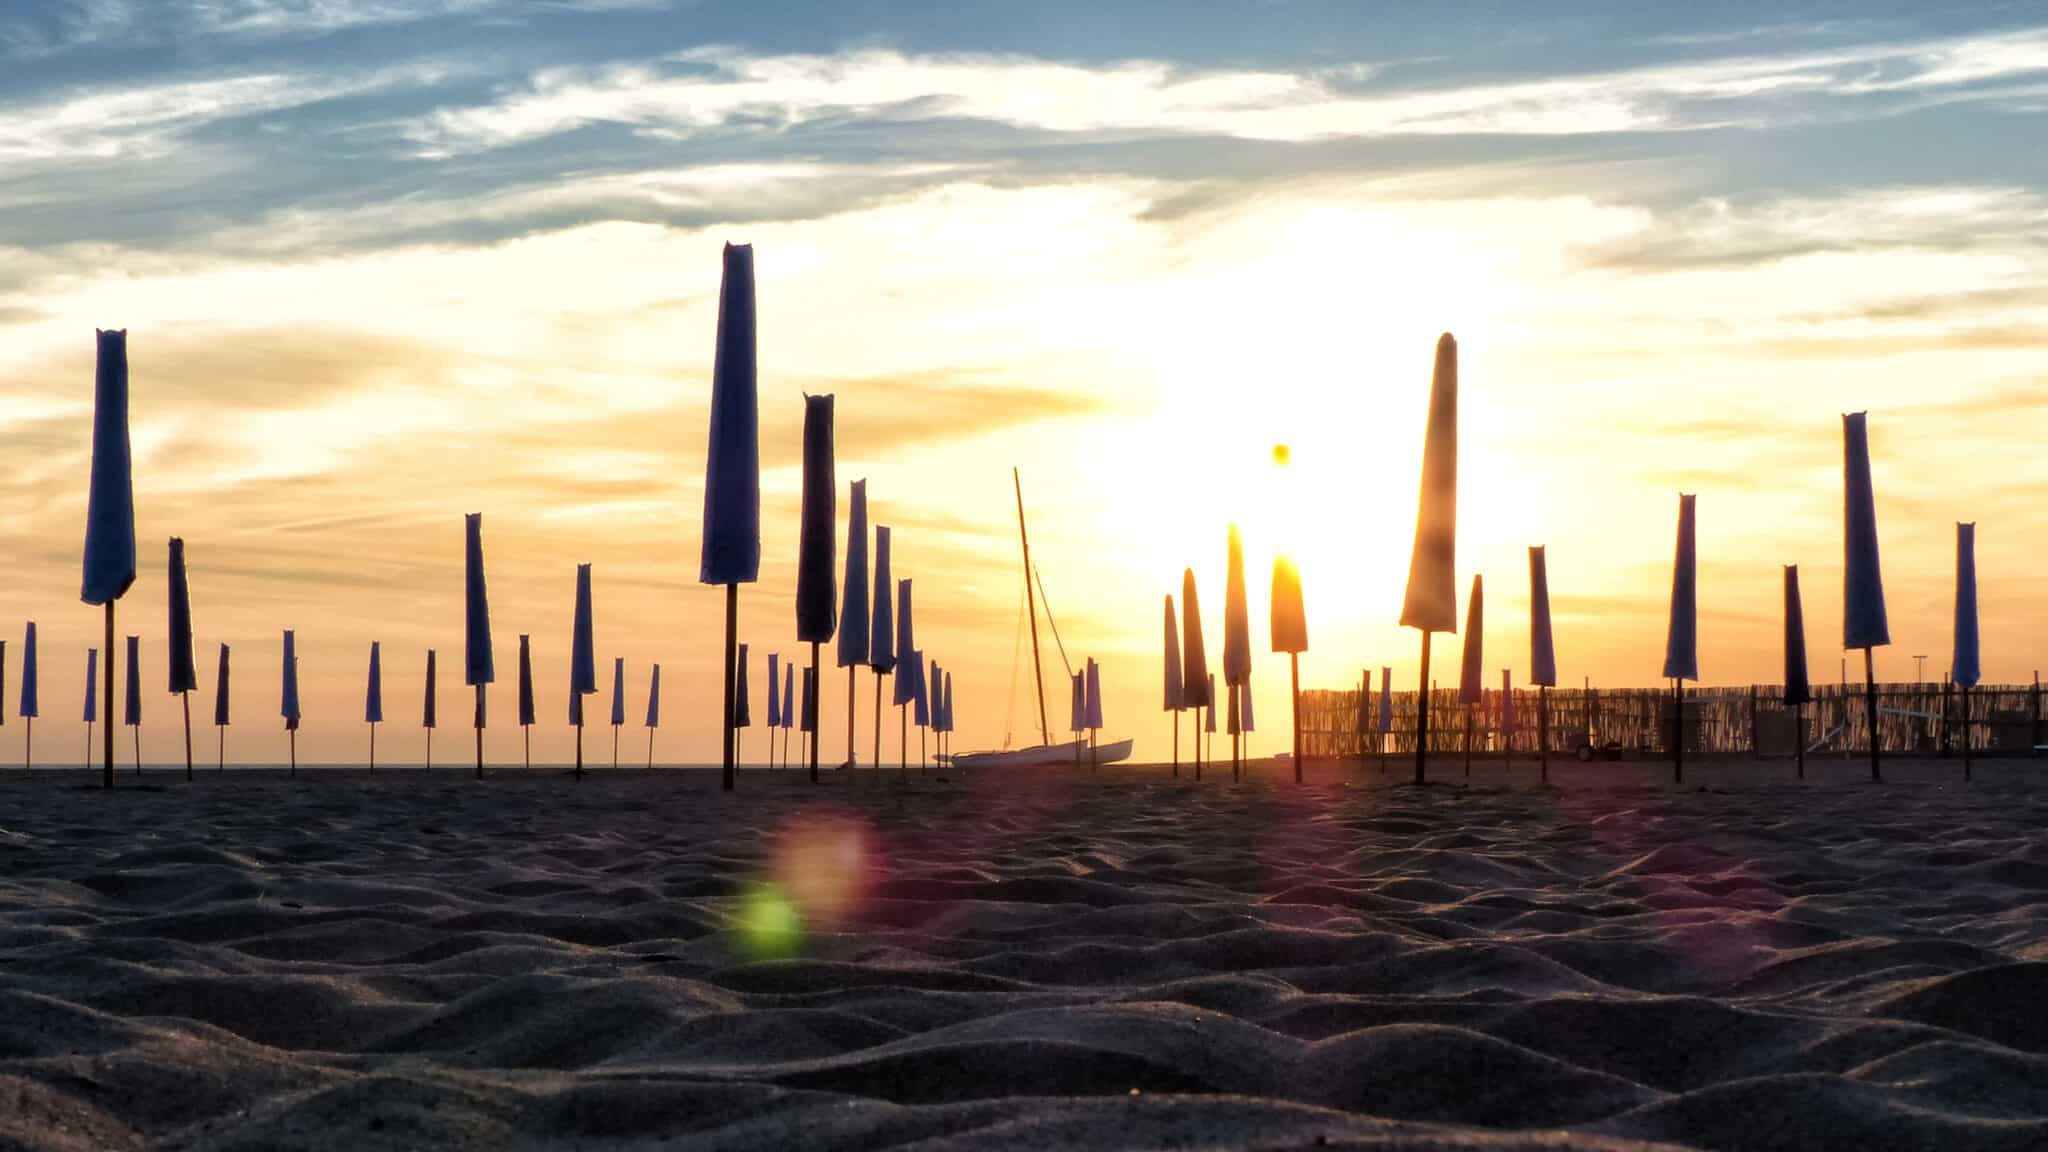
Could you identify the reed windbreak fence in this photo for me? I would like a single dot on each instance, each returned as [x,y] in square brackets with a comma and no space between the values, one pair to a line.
[1923,719]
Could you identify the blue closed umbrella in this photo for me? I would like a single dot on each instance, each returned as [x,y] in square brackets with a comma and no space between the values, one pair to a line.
[882,629]
[1797,689]
[1863,616]
[1542,652]
[184,674]
[817,591]
[478,667]
[427,713]
[110,507]
[1430,603]
[906,685]
[583,661]
[526,713]
[853,605]
[653,711]
[774,690]
[619,697]
[1681,640]
[92,690]
[289,706]
[810,704]
[743,711]
[1963,667]
[133,712]
[29,707]
[373,699]
[732,465]
[220,707]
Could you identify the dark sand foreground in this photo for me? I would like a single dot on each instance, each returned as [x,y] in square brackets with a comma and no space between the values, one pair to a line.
[413,961]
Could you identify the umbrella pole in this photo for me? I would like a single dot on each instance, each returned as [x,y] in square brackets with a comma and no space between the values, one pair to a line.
[430,750]
[1678,730]
[373,746]
[294,735]
[1422,713]
[1966,733]
[1176,743]
[1799,735]
[903,741]
[1294,673]
[185,698]
[878,721]
[650,749]
[107,702]
[479,731]
[1543,728]
[851,756]
[732,662]
[1468,741]
[222,766]
[579,741]
[138,749]
[527,731]
[1870,710]
[922,768]
[88,741]
[615,746]
[817,691]
[28,743]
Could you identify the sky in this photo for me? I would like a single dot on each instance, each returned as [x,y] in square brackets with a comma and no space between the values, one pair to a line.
[384,262]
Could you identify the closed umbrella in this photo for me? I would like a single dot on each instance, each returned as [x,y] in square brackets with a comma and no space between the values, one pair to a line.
[30,709]
[133,713]
[1431,601]
[373,699]
[583,666]
[1681,641]
[921,709]
[526,713]
[732,469]
[110,509]
[817,595]
[906,678]
[775,701]
[653,712]
[1364,717]
[288,707]
[1094,708]
[853,604]
[1176,691]
[1209,711]
[220,707]
[946,686]
[742,707]
[1542,653]
[1290,635]
[1863,616]
[1237,644]
[1194,666]
[184,674]
[92,683]
[619,699]
[1797,689]
[1963,667]
[882,630]
[427,712]
[478,669]
[788,706]
[1471,690]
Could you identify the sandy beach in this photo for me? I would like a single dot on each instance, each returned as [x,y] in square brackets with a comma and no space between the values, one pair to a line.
[1125,961]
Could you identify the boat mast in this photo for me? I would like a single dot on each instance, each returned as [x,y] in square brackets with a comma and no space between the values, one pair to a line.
[1031,602]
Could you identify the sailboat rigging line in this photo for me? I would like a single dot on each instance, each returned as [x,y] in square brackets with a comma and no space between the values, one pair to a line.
[1049,620]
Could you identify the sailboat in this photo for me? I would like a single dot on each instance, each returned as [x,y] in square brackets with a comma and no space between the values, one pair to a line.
[1046,753]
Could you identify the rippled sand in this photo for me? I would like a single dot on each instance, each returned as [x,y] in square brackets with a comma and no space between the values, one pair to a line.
[1126,961]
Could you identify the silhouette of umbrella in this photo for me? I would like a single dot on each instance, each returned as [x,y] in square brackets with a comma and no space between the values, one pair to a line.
[732,467]
[653,711]
[1797,690]
[743,712]
[809,716]
[775,700]
[1194,666]
[921,710]
[1471,690]
[1094,707]
[853,605]
[184,675]
[1209,711]
[92,695]
[816,593]
[133,712]
[946,716]
[427,713]
[289,706]
[906,678]
[30,708]
[220,707]
[1542,654]
[882,631]
[1176,691]
[373,699]
[478,669]
[788,706]
[583,668]
[1290,635]
[1863,617]
[526,694]
[110,509]
[1681,640]
[1431,601]
[619,699]
[1237,644]
[1963,667]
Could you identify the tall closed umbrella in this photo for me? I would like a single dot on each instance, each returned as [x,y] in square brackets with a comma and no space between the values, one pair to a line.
[906,676]
[881,630]
[775,701]
[1431,601]
[732,467]
[1797,689]
[788,706]
[1681,639]
[1963,668]
[427,711]
[1078,718]
[30,708]
[1094,707]
[133,714]
[946,712]
[1471,689]
[583,665]
[619,699]
[1176,691]
[1542,653]
[184,673]
[110,509]
[1363,719]
[1194,666]
[653,711]
[1290,635]
[478,669]
[288,706]
[220,707]
[1863,616]
[1237,643]
[743,712]
[921,710]
[809,715]
[816,593]
[526,694]
[853,604]
[373,698]
[1209,709]
[92,681]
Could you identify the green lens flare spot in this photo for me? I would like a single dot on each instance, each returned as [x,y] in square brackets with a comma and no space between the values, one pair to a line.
[769,923]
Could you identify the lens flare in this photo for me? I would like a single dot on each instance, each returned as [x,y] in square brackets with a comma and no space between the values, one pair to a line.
[769,924]
[823,862]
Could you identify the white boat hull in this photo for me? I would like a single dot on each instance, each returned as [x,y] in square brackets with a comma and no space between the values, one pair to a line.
[1045,755]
